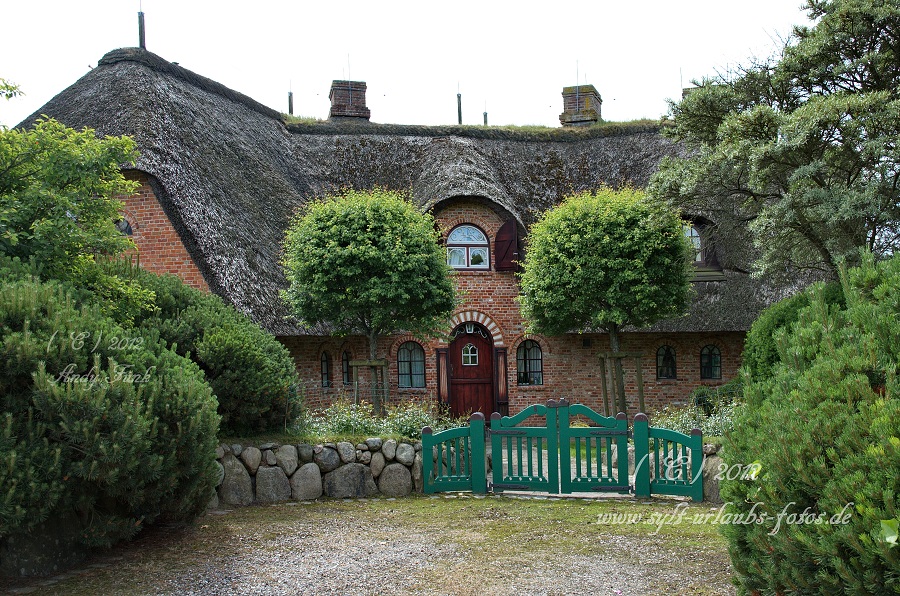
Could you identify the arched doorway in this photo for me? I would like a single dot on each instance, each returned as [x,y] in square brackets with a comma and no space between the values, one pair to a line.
[471,355]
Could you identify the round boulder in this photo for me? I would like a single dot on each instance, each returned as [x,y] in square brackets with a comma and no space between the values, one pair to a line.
[272,485]
[347,452]
[236,488]
[406,453]
[351,480]
[251,457]
[377,463]
[286,457]
[389,449]
[395,481]
[306,483]
[328,459]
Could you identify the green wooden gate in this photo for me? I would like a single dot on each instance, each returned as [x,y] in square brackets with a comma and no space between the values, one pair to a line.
[592,468]
[517,452]
[558,454]
[559,457]
[454,459]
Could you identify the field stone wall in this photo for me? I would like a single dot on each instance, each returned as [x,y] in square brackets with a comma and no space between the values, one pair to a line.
[273,472]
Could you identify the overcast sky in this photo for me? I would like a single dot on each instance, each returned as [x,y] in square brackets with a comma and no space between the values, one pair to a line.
[511,59]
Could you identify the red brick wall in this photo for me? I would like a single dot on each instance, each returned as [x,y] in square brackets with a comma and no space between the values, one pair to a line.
[571,367]
[159,246]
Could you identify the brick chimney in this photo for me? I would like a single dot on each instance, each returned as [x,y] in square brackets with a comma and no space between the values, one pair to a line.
[581,106]
[348,100]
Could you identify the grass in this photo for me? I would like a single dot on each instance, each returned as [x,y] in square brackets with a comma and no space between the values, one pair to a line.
[502,534]
[289,119]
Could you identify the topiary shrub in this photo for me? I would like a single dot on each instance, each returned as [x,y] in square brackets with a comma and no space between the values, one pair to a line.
[100,425]
[760,352]
[825,430]
[252,375]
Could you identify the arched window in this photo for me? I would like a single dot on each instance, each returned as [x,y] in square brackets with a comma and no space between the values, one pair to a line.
[470,355]
[467,248]
[693,234]
[124,226]
[411,365]
[325,362]
[665,363]
[529,363]
[710,363]
[345,367]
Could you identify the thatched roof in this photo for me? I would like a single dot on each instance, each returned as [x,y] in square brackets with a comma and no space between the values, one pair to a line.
[230,173]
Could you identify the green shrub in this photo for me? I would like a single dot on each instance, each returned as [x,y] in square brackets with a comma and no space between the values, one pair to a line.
[406,419]
[98,424]
[709,399]
[825,429]
[252,375]
[760,352]
[685,418]
[343,418]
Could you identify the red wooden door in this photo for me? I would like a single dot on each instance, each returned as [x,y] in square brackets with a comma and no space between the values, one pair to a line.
[472,372]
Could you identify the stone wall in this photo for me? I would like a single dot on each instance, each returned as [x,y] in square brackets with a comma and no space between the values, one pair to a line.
[273,472]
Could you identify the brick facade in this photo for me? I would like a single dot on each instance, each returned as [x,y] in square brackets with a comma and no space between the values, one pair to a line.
[571,365]
[160,248]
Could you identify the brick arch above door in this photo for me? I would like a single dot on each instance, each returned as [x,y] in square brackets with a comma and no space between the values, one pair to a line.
[474,316]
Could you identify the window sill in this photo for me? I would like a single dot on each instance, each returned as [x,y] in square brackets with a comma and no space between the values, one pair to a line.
[708,274]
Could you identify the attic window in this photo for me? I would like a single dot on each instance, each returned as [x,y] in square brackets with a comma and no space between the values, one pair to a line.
[467,248]
[700,233]
[693,234]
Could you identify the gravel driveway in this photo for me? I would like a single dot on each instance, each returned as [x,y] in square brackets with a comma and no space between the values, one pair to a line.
[437,545]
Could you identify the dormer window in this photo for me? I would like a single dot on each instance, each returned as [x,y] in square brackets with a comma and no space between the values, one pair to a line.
[700,233]
[693,234]
[467,248]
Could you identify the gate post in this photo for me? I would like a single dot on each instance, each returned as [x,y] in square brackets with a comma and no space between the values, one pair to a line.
[477,460]
[641,456]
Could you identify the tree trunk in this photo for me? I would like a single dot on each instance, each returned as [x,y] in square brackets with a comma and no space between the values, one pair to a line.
[377,404]
[617,365]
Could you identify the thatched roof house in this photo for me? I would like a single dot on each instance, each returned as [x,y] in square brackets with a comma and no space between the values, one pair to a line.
[229,174]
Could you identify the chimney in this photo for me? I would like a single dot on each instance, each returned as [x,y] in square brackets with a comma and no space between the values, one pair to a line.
[348,100]
[581,106]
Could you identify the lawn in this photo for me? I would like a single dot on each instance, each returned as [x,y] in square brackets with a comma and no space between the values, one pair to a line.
[451,544]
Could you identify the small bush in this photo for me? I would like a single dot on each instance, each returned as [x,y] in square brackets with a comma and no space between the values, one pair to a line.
[98,423]
[825,429]
[760,352]
[252,375]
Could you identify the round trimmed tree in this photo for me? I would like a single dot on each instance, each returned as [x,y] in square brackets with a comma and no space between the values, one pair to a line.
[604,260]
[367,262]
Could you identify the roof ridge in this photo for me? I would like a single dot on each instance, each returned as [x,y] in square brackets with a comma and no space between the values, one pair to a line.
[163,66]
[345,127]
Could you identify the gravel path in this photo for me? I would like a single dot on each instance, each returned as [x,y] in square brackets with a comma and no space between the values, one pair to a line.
[467,546]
